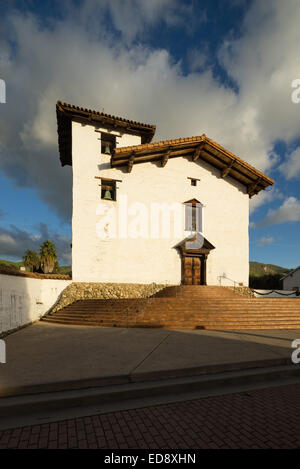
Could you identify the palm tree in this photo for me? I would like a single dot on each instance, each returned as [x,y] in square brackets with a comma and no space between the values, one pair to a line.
[56,268]
[48,256]
[31,260]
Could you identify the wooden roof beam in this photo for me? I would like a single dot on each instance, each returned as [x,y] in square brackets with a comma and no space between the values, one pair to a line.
[197,151]
[130,163]
[227,169]
[119,160]
[252,187]
[234,168]
[165,158]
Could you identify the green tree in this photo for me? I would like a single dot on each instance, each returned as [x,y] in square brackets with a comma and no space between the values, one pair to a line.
[48,257]
[56,268]
[266,282]
[31,260]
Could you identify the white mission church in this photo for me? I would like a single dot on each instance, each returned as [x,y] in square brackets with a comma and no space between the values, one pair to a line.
[174,211]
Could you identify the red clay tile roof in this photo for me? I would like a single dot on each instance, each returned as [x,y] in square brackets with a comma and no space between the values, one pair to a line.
[65,112]
[158,145]
[4,270]
[62,106]
[211,151]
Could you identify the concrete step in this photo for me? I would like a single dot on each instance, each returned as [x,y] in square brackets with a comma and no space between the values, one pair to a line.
[178,310]
[179,307]
[182,317]
[196,306]
[182,325]
[188,306]
[180,387]
[181,301]
[239,327]
[183,310]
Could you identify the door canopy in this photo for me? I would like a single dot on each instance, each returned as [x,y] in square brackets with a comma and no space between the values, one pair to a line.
[195,245]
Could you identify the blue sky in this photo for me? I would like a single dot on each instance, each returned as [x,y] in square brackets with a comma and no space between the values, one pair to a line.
[223,68]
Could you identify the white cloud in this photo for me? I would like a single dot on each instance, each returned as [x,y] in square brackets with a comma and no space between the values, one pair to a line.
[263,198]
[289,211]
[78,60]
[131,19]
[291,167]
[198,59]
[263,62]
[265,240]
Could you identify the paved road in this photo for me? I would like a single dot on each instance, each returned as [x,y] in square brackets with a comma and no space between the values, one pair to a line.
[268,418]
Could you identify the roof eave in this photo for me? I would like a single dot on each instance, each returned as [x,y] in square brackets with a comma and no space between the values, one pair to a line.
[66,113]
[201,147]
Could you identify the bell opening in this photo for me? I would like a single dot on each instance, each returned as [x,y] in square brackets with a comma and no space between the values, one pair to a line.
[107,195]
[107,149]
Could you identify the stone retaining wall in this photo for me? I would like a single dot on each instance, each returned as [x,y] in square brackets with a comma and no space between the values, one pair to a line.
[84,291]
[243,291]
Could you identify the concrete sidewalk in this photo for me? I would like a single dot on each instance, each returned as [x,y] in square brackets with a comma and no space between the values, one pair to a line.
[45,357]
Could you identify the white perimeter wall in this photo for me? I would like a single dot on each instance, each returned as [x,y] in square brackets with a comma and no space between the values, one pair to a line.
[24,300]
[140,260]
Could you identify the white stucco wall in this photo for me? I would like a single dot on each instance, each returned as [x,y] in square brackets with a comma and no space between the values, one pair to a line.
[24,300]
[292,281]
[226,217]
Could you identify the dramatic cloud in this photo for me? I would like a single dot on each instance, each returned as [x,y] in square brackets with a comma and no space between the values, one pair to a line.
[289,211]
[134,17]
[291,167]
[198,60]
[14,242]
[264,62]
[80,60]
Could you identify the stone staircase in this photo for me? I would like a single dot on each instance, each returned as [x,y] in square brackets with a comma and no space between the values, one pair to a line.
[184,307]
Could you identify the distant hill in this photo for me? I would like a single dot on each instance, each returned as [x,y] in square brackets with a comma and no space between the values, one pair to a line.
[261,275]
[266,276]
[258,269]
[63,269]
[11,264]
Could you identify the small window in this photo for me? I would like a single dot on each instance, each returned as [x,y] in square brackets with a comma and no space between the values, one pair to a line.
[193,181]
[108,143]
[193,216]
[108,189]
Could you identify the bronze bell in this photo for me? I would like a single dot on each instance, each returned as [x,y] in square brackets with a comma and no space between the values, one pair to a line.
[107,195]
[107,149]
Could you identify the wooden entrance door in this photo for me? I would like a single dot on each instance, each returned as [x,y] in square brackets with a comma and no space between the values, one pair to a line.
[193,262]
[192,273]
